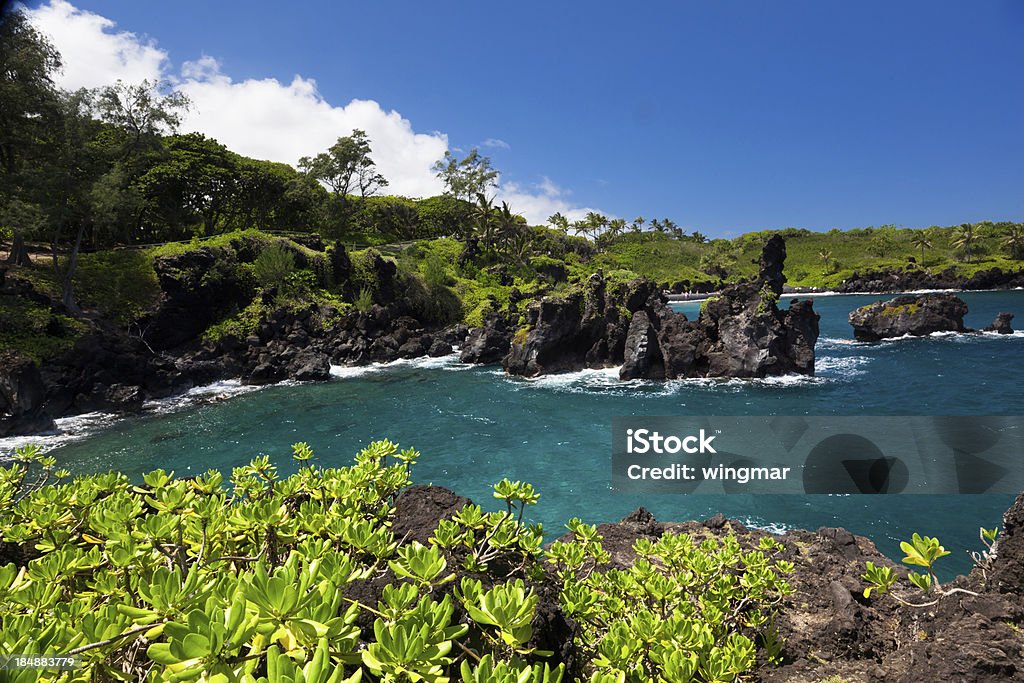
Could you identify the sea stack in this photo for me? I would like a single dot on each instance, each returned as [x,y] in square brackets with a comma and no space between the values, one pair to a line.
[915,315]
[739,333]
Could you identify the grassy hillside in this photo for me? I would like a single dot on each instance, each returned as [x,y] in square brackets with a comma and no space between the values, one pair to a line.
[121,284]
[814,259]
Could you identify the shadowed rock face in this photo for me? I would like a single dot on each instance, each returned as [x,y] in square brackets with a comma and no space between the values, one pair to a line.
[584,329]
[22,395]
[741,333]
[1008,569]
[916,315]
[1001,324]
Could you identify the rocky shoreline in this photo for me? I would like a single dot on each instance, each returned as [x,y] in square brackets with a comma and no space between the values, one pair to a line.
[601,323]
[742,333]
[827,627]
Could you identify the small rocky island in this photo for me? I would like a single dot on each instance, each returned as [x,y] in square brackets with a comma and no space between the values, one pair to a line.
[740,333]
[917,315]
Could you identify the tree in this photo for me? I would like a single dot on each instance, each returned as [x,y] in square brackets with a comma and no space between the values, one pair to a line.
[1013,240]
[883,241]
[138,116]
[964,238]
[29,111]
[483,217]
[826,257]
[142,112]
[509,225]
[467,178]
[921,240]
[68,184]
[194,186]
[559,222]
[346,167]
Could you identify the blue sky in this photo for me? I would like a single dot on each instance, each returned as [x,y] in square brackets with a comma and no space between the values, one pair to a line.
[723,115]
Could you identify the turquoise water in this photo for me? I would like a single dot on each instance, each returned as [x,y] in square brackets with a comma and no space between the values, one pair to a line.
[474,426]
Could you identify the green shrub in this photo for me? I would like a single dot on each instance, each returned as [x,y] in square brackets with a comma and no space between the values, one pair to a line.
[435,272]
[274,264]
[253,579]
[364,300]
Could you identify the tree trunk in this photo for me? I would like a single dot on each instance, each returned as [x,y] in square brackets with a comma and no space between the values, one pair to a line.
[19,253]
[67,295]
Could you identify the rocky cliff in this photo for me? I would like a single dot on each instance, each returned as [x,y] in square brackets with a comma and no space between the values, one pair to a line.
[740,333]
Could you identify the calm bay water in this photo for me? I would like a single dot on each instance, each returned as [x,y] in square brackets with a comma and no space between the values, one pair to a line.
[474,426]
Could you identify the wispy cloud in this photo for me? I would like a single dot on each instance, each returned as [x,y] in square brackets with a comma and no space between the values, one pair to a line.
[495,143]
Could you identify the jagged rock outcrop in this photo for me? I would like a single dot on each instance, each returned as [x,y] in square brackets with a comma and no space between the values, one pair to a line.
[741,333]
[586,328]
[22,397]
[489,343]
[199,287]
[1001,325]
[915,315]
[1007,575]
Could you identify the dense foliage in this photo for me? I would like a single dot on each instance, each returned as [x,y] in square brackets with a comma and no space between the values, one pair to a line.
[263,577]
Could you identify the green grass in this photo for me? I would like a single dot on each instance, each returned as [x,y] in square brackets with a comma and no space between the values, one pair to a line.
[656,256]
[224,240]
[666,259]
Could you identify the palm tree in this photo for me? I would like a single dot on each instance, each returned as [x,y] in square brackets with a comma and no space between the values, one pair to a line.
[520,246]
[559,222]
[1014,241]
[638,223]
[699,237]
[507,225]
[826,256]
[964,237]
[483,216]
[921,240]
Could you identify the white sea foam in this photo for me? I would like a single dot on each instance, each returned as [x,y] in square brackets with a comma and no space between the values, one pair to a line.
[77,427]
[598,377]
[606,380]
[350,371]
[449,362]
[841,366]
[1016,334]
[790,295]
[776,528]
[68,429]
[218,391]
[835,342]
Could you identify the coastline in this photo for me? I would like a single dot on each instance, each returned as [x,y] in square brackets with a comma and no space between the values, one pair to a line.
[72,427]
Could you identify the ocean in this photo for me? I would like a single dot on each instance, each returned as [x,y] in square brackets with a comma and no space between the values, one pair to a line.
[473,426]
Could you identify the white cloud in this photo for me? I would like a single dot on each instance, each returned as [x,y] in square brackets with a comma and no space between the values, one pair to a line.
[495,143]
[265,118]
[268,119]
[537,202]
[93,54]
